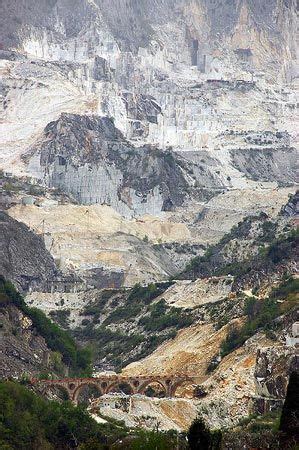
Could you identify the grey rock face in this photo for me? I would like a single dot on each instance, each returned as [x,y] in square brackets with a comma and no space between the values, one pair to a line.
[101,69]
[140,107]
[22,350]
[133,23]
[89,158]
[24,259]
[99,278]
[172,73]
[291,209]
[268,164]
[273,367]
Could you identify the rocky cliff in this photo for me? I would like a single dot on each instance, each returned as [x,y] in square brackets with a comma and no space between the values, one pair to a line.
[24,259]
[173,110]
[23,352]
[200,28]
[181,74]
[89,158]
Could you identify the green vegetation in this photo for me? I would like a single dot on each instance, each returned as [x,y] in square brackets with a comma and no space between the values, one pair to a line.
[96,309]
[129,311]
[278,251]
[253,430]
[273,250]
[258,423]
[161,318]
[14,185]
[138,298]
[115,346]
[29,422]
[287,289]
[195,263]
[152,440]
[280,248]
[36,190]
[10,187]
[277,429]
[169,159]
[212,261]
[261,313]
[147,293]
[151,323]
[58,340]
[61,317]
[268,231]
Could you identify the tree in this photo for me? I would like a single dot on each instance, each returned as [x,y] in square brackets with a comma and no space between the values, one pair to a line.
[250,307]
[289,422]
[201,438]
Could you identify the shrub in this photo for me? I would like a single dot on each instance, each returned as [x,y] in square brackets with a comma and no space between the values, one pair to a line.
[123,313]
[289,286]
[150,440]
[158,323]
[10,187]
[145,293]
[250,308]
[160,319]
[61,317]
[232,341]
[281,248]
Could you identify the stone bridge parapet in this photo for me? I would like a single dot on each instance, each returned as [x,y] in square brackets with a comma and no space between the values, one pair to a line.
[114,383]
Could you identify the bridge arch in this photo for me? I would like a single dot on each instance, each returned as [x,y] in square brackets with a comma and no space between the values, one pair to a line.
[178,386]
[94,387]
[57,390]
[121,386]
[149,388]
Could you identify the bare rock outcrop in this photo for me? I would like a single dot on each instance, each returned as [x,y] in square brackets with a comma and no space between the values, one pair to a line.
[24,259]
[22,351]
[90,158]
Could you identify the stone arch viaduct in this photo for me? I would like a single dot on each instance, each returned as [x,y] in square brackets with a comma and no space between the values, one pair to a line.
[114,383]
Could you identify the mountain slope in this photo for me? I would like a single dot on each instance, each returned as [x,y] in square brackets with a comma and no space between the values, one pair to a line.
[136,136]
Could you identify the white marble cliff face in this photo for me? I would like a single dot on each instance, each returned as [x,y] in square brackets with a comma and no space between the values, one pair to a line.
[212,80]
